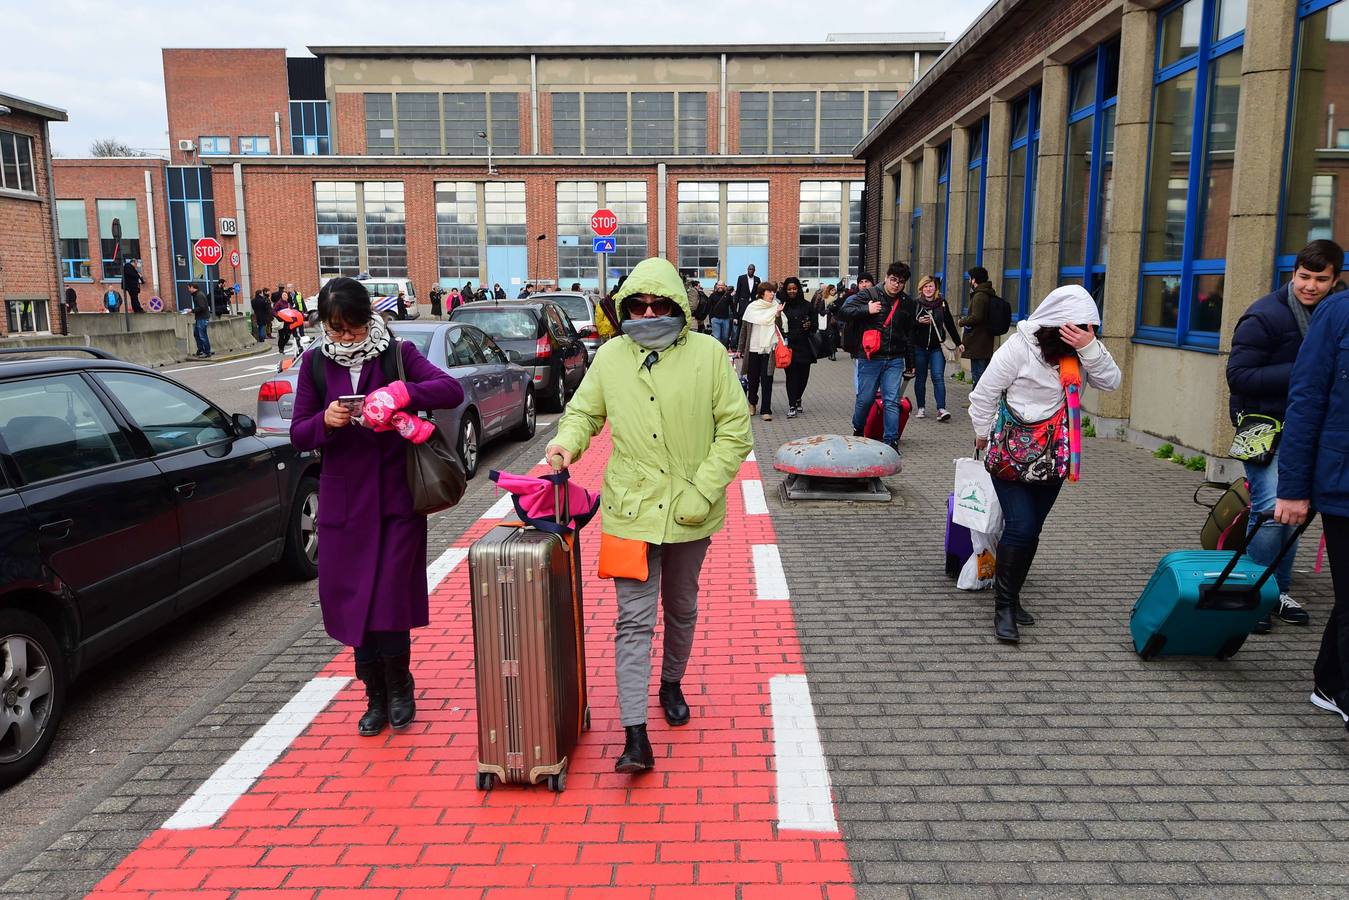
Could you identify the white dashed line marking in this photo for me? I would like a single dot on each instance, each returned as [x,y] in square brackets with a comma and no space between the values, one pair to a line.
[751,457]
[501,509]
[755,504]
[439,570]
[769,579]
[237,774]
[804,800]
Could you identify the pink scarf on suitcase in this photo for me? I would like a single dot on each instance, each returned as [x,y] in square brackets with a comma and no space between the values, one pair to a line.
[536,503]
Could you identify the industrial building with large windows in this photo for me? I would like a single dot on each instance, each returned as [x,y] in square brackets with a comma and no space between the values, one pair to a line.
[483,165]
[1171,156]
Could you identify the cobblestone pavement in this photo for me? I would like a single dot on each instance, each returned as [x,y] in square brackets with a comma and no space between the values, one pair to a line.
[960,767]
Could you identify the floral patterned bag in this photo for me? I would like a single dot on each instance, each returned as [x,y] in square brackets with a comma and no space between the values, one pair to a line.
[1028,452]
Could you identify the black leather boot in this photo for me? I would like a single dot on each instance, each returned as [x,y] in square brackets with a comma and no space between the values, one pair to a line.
[376,695]
[1008,576]
[673,704]
[398,677]
[1023,616]
[637,754]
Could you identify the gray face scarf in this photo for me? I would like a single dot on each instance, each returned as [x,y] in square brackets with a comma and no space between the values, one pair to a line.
[1301,315]
[655,333]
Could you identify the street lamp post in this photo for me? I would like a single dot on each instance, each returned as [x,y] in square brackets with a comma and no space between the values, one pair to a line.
[490,169]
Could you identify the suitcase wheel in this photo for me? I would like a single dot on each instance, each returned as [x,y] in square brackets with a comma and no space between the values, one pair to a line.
[557,783]
[486,780]
[586,721]
[1229,649]
[1154,646]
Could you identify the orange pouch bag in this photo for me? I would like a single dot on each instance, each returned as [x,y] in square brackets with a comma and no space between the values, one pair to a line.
[622,558]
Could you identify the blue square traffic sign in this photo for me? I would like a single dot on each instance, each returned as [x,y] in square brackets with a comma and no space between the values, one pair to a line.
[603,245]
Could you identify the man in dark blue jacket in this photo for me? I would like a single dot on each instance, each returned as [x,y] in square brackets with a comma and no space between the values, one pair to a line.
[1314,474]
[1264,347]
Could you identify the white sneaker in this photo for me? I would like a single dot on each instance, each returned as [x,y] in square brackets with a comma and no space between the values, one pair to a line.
[1322,700]
[943,415]
[921,414]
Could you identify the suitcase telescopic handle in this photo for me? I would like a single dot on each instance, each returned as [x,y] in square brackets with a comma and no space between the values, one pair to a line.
[1261,520]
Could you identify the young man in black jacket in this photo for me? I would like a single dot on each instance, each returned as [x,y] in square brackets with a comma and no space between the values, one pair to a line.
[201,316]
[1264,347]
[887,311]
[719,308]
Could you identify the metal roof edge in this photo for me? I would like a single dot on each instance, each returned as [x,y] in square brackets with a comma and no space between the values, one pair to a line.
[832,159]
[628,49]
[994,13]
[23,104]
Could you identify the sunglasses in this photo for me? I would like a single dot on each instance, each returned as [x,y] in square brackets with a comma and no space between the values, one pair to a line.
[637,308]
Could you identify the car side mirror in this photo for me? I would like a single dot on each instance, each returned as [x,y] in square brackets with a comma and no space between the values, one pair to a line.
[244,426]
[514,356]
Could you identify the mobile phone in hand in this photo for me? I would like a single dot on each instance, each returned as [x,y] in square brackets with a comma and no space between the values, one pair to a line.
[353,403]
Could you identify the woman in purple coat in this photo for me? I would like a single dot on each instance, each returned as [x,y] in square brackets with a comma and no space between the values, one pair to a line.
[372,569]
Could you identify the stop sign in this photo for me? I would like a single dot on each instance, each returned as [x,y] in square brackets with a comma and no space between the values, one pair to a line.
[207,251]
[603,222]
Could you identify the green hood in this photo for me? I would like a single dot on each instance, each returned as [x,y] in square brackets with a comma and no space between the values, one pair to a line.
[658,277]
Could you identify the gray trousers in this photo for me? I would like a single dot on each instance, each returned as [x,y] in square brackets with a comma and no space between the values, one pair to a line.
[672,571]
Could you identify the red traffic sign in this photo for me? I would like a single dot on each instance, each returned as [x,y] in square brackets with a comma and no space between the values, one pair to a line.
[234,258]
[603,222]
[207,251]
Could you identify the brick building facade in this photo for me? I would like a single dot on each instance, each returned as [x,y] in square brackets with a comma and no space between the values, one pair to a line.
[376,160]
[1171,156]
[29,286]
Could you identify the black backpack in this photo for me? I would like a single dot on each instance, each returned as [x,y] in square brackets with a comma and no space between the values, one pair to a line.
[388,363]
[999,315]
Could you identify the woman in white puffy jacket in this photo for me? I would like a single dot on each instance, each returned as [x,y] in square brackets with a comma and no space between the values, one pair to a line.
[1025,370]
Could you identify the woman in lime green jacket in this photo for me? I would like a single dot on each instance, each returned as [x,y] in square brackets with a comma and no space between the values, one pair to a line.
[680,432]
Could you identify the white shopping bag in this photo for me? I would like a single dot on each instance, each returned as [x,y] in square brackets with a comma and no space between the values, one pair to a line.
[976,504]
[977,575]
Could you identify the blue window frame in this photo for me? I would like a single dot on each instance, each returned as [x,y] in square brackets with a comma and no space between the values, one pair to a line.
[309,131]
[976,190]
[943,213]
[1314,155]
[255,145]
[1022,156]
[209,145]
[1196,94]
[191,204]
[1088,170]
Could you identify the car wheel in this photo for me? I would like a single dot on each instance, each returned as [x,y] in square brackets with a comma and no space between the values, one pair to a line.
[557,397]
[468,444]
[525,430]
[32,693]
[301,555]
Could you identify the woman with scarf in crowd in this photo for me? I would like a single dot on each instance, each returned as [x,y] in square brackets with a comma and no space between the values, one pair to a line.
[933,326]
[799,314]
[823,301]
[1036,376]
[372,572]
[762,326]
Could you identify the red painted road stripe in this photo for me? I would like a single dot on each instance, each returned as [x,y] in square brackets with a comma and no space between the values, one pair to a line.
[400,815]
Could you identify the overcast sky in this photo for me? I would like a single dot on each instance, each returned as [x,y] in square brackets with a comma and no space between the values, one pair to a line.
[100,60]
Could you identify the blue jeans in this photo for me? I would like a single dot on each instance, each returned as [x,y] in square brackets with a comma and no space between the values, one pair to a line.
[1270,539]
[885,375]
[721,330]
[203,337]
[934,361]
[977,367]
[1024,510]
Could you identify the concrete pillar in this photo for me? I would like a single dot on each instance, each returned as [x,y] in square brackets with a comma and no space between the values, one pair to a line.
[1129,185]
[1049,180]
[1257,177]
[908,195]
[887,230]
[923,265]
[961,205]
[995,189]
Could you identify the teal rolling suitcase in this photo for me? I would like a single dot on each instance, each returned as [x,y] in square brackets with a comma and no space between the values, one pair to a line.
[1204,602]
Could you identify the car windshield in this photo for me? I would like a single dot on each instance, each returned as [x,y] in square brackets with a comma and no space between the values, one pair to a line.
[576,308]
[417,337]
[502,324]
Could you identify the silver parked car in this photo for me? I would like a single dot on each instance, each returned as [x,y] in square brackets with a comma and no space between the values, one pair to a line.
[498,393]
[580,308]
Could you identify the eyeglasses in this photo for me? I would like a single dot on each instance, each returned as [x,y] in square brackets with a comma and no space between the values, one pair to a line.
[355,334]
[637,308]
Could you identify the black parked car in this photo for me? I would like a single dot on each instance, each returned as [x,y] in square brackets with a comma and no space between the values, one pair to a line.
[542,337]
[125,501]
